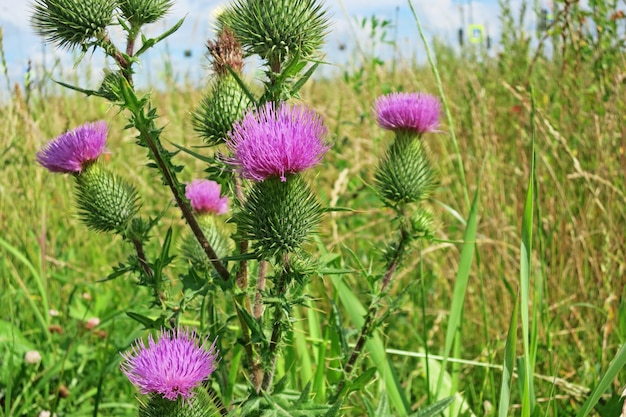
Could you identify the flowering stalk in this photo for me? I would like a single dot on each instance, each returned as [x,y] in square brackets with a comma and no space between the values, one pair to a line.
[149,137]
[404,176]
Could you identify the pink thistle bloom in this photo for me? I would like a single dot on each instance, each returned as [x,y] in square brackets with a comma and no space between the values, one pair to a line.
[74,150]
[172,366]
[204,196]
[409,112]
[277,140]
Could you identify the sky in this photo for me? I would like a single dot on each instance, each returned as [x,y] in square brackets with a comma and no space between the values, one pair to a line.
[440,18]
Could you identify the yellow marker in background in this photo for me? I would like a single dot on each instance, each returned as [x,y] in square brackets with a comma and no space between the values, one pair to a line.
[476,33]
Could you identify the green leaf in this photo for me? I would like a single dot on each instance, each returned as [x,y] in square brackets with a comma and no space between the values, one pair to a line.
[434,409]
[363,379]
[147,322]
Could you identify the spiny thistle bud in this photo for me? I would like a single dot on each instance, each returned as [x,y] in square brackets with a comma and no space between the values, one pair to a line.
[422,224]
[72,23]
[404,174]
[278,216]
[215,234]
[277,30]
[141,12]
[223,105]
[226,52]
[106,203]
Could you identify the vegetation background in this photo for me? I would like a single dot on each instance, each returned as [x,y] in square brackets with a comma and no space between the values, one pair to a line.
[51,266]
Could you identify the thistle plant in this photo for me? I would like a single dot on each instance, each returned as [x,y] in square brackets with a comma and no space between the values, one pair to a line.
[245,256]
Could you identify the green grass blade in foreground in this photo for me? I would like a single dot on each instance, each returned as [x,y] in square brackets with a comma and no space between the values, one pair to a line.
[618,362]
[509,364]
[460,285]
[374,346]
[528,400]
[40,315]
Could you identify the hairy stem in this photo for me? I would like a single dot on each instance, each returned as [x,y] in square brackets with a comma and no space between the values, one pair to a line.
[276,327]
[170,178]
[260,287]
[372,312]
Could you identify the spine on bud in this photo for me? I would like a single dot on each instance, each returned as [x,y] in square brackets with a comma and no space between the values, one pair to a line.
[405,174]
[106,203]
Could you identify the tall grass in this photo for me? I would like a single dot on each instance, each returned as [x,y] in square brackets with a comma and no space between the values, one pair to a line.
[566,279]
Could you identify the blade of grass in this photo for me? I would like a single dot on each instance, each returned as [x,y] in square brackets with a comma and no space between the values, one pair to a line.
[616,365]
[509,364]
[460,285]
[41,316]
[528,400]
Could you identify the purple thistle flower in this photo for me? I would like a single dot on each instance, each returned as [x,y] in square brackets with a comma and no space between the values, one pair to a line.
[275,141]
[74,150]
[204,196]
[171,366]
[410,112]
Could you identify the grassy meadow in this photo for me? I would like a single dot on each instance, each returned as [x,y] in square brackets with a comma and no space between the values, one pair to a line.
[565,103]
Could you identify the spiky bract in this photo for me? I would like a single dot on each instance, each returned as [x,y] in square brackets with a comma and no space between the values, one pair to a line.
[141,12]
[277,30]
[202,404]
[72,23]
[215,234]
[106,202]
[225,104]
[404,174]
[278,216]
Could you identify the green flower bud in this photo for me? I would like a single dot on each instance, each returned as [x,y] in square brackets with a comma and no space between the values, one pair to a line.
[277,30]
[106,203]
[404,174]
[422,224]
[216,236]
[278,216]
[141,12]
[72,23]
[225,104]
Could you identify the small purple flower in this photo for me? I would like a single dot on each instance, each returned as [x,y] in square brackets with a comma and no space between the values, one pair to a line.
[171,366]
[204,196]
[275,141]
[411,112]
[74,150]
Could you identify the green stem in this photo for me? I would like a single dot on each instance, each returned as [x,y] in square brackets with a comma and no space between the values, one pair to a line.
[277,327]
[156,152]
[372,312]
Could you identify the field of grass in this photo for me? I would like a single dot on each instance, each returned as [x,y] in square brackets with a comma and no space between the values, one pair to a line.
[570,104]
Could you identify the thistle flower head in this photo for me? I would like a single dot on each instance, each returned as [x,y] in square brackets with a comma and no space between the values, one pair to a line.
[410,112]
[172,366]
[277,140]
[204,196]
[74,150]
